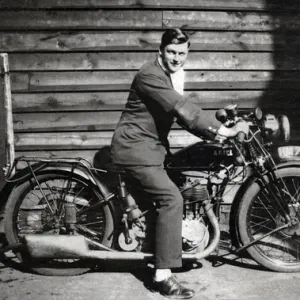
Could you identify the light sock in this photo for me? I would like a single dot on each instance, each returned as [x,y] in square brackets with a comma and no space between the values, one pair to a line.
[162,274]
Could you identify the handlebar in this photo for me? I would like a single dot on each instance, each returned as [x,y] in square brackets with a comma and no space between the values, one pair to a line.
[233,122]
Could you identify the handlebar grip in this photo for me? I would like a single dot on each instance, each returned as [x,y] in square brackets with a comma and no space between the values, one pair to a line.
[221,115]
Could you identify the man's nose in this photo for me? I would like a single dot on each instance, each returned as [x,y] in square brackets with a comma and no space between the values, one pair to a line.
[176,57]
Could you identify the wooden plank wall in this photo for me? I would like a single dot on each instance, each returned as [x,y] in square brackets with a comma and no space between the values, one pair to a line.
[72,63]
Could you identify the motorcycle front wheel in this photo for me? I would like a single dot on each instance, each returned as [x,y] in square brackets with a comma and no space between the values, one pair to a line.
[36,207]
[259,217]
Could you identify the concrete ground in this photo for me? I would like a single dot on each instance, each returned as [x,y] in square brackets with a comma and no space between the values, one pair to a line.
[225,278]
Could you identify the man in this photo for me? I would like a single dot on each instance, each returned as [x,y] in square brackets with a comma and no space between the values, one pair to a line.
[140,144]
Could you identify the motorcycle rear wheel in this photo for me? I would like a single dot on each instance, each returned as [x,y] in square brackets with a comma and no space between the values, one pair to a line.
[31,207]
[258,215]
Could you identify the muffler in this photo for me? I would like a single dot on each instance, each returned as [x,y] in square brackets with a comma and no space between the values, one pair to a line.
[73,247]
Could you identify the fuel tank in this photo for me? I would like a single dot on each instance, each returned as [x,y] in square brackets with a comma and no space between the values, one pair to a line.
[202,155]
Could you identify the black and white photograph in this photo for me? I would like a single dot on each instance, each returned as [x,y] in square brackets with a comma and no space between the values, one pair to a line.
[149,149]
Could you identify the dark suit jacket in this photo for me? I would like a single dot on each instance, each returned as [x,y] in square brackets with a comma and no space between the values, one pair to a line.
[140,137]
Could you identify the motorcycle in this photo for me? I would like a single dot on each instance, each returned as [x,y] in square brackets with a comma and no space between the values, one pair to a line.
[63,214]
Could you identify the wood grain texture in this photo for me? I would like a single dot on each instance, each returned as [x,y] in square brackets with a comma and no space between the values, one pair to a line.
[65,41]
[111,101]
[72,121]
[104,120]
[67,121]
[191,4]
[121,80]
[222,20]
[84,140]
[91,140]
[103,19]
[134,60]
[69,101]
[72,63]
[80,19]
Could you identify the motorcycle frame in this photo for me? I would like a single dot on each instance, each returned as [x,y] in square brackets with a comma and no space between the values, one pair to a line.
[84,169]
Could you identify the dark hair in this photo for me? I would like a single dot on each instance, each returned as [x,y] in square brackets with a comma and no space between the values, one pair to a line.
[174,36]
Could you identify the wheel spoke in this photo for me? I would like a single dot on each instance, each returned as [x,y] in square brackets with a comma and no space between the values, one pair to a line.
[38,207]
[266,209]
[42,208]
[261,225]
[271,239]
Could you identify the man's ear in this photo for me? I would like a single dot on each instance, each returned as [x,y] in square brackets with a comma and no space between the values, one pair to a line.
[159,51]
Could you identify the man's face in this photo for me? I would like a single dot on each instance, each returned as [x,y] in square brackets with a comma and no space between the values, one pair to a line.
[174,56]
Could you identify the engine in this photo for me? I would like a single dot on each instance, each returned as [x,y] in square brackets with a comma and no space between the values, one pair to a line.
[197,188]
[194,192]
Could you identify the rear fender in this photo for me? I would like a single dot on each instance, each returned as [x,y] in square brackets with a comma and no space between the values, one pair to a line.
[42,168]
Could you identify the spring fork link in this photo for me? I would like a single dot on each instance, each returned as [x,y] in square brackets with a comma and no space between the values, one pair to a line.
[253,150]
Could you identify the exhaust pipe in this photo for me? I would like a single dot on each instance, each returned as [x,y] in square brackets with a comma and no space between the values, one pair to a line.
[77,246]
[73,247]
[216,236]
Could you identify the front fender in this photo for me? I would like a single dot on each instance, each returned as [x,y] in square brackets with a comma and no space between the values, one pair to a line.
[242,190]
[251,179]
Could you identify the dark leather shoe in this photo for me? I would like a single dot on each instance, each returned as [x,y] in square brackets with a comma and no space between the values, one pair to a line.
[171,288]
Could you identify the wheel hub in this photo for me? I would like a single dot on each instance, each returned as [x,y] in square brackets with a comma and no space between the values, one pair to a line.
[294,228]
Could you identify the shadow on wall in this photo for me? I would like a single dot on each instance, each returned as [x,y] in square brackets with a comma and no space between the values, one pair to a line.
[282,95]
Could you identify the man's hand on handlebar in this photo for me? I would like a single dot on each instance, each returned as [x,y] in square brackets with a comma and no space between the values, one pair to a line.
[229,132]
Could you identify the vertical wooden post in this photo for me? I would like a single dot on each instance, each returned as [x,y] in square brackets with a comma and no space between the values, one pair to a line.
[7,152]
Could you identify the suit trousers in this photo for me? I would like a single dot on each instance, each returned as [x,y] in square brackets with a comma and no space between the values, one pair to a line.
[160,189]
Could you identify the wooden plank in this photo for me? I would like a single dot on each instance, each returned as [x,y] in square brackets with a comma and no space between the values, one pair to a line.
[93,140]
[69,101]
[144,41]
[145,19]
[101,121]
[6,124]
[102,101]
[80,61]
[71,121]
[121,80]
[134,60]
[80,19]
[66,121]
[192,4]
[220,20]
[84,140]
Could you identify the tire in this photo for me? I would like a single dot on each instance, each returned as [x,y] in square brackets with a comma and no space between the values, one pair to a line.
[258,214]
[27,212]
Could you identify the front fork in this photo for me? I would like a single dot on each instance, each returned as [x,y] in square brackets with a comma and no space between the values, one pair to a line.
[282,205]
